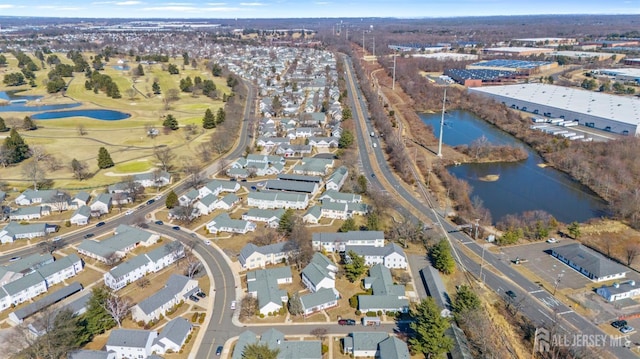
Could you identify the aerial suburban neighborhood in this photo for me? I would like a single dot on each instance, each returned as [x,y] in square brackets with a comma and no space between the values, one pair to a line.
[311,187]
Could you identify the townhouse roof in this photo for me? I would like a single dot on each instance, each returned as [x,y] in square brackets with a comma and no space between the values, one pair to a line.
[315,211]
[82,196]
[288,349]
[131,338]
[44,194]
[347,236]
[29,263]
[208,200]
[92,354]
[322,296]
[129,266]
[223,220]
[151,176]
[102,198]
[174,248]
[390,302]
[59,265]
[26,211]
[264,283]
[291,186]
[393,348]
[435,286]
[338,174]
[175,284]
[230,199]
[278,196]
[47,300]
[381,281]
[300,178]
[15,228]
[366,340]
[20,284]
[175,331]
[265,213]
[335,196]
[376,251]
[95,247]
[216,185]
[83,211]
[251,248]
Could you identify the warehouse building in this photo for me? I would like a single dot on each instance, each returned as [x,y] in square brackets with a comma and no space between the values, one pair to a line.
[587,55]
[617,114]
[621,75]
[517,51]
[521,66]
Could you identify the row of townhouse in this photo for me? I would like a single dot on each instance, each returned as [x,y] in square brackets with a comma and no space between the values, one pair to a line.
[390,256]
[224,223]
[334,210]
[275,340]
[387,296]
[213,188]
[178,288]
[39,280]
[337,242]
[14,231]
[378,345]
[272,200]
[319,276]
[258,165]
[269,216]
[124,240]
[139,266]
[252,256]
[263,285]
[18,269]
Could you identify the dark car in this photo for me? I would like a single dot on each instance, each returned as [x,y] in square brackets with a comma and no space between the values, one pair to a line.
[243,180]
[373,175]
[201,294]
[254,188]
[233,180]
[511,294]
[89,235]
[619,324]
[151,201]
[219,350]
[159,223]
[347,322]
[100,224]
[194,298]
[177,228]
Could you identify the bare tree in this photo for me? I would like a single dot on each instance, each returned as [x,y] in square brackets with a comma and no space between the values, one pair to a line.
[164,155]
[82,131]
[33,172]
[248,307]
[60,201]
[133,188]
[191,169]
[79,169]
[631,252]
[319,333]
[131,93]
[117,307]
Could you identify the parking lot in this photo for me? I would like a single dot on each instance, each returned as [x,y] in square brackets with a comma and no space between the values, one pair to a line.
[538,259]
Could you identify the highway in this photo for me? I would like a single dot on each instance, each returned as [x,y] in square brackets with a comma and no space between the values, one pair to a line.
[537,304]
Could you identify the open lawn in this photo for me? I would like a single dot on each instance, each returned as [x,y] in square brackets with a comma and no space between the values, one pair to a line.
[126,140]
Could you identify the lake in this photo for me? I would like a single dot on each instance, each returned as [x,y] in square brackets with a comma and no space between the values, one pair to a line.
[522,186]
[105,115]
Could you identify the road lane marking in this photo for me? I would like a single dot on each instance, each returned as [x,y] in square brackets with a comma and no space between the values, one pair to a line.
[536,291]
[543,313]
[567,312]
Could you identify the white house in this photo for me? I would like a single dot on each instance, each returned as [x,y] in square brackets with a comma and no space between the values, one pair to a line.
[319,273]
[337,179]
[224,223]
[263,284]
[590,263]
[15,230]
[29,213]
[125,239]
[101,204]
[269,216]
[618,291]
[153,179]
[390,256]
[332,242]
[23,289]
[61,269]
[323,299]
[267,200]
[131,343]
[80,199]
[339,197]
[205,205]
[177,288]
[173,336]
[81,216]
[227,202]
[252,256]
[313,215]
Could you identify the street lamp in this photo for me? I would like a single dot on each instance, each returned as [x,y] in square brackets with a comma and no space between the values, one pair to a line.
[555,287]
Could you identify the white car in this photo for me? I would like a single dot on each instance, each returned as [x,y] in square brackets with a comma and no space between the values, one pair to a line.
[233,305]
[129,212]
[552,240]
[158,197]
[207,243]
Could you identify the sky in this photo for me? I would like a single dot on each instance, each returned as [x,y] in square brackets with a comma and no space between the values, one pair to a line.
[225,9]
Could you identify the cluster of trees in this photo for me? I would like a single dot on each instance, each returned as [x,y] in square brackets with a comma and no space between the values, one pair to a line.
[79,63]
[531,225]
[24,61]
[14,79]
[56,82]
[99,82]
[173,69]
[3,60]
[211,121]
[153,57]
[207,87]
[482,150]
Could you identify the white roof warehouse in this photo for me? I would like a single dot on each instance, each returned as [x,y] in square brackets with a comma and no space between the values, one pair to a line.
[618,114]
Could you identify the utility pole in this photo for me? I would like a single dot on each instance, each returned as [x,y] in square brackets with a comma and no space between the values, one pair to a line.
[363,48]
[374,46]
[393,83]
[347,34]
[444,100]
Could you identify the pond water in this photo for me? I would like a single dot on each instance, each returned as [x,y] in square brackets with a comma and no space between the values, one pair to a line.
[121,67]
[18,103]
[105,115]
[522,186]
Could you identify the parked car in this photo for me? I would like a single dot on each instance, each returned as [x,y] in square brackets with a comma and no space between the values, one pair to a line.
[243,180]
[100,224]
[619,324]
[128,212]
[158,197]
[201,294]
[254,188]
[177,228]
[151,201]
[552,240]
[233,305]
[373,175]
[55,239]
[13,259]
[233,180]
[347,322]
[219,350]
[89,235]
[626,329]
[207,243]
[194,298]
[159,223]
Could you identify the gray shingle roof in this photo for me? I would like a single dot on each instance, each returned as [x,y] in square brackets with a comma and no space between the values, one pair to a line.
[367,340]
[385,302]
[590,260]
[129,266]
[91,354]
[251,248]
[435,286]
[23,283]
[393,348]
[265,283]
[175,284]
[322,296]
[48,300]
[289,349]
[174,248]
[131,338]
[347,236]
[176,331]
[59,265]
[83,210]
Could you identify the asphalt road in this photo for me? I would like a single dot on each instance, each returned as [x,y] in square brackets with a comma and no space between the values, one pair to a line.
[536,303]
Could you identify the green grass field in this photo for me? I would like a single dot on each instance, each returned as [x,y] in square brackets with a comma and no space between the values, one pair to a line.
[126,140]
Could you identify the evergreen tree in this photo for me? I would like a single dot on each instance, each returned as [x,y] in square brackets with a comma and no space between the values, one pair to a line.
[373,222]
[441,257]
[465,301]
[28,124]
[140,70]
[104,158]
[172,200]
[286,221]
[155,87]
[220,116]
[209,121]
[170,122]
[349,224]
[355,268]
[259,351]
[295,305]
[346,139]
[97,318]
[3,126]
[216,70]
[574,230]
[16,148]
[429,330]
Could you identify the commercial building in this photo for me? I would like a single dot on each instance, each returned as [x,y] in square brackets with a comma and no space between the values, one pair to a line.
[521,66]
[517,51]
[617,114]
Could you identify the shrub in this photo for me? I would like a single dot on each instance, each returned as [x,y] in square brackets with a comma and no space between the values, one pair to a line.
[371,313]
[67,224]
[282,311]
[201,319]
[140,323]
[194,317]
[353,301]
[358,312]
[325,348]
[180,303]
[261,316]
[379,313]
[161,317]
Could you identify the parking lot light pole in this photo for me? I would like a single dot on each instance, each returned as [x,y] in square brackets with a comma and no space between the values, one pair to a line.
[555,287]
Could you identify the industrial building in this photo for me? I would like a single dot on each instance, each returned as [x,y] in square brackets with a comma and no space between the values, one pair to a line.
[620,75]
[522,66]
[547,41]
[587,55]
[475,78]
[517,51]
[617,114]
[632,62]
